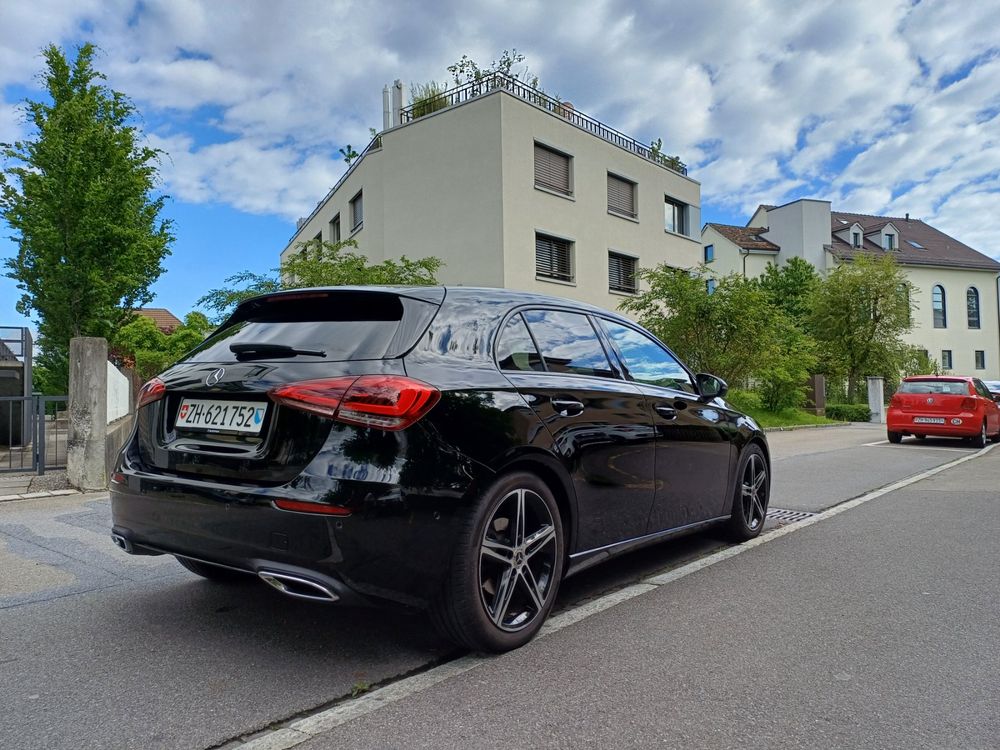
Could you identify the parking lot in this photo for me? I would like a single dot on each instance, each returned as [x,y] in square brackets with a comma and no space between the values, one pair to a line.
[99,649]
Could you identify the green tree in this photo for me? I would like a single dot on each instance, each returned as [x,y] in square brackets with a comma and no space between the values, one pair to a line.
[791,288]
[79,196]
[320,264]
[141,345]
[860,313]
[781,381]
[733,332]
[468,70]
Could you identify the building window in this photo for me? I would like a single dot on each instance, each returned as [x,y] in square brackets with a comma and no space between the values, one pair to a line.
[709,253]
[946,359]
[937,304]
[335,229]
[621,273]
[856,239]
[972,303]
[552,170]
[621,197]
[357,212]
[980,359]
[674,216]
[553,258]
[888,242]
[710,285]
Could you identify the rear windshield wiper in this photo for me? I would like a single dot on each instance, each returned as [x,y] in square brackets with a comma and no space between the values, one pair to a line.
[260,351]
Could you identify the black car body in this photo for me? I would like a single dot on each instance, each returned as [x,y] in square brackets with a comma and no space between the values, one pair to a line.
[617,445]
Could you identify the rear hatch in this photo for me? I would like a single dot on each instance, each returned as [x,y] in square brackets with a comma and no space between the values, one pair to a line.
[214,419]
[934,397]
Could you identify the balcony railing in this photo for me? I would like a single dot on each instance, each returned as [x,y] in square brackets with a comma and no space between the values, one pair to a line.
[504,82]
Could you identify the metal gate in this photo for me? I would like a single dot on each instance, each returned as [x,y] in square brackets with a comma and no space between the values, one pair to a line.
[33,433]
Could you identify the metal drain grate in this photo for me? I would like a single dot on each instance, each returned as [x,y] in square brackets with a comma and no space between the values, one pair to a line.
[788,516]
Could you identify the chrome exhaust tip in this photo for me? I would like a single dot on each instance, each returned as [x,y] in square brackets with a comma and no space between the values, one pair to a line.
[300,588]
[122,542]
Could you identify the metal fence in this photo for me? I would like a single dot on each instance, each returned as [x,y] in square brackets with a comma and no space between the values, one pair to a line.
[33,433]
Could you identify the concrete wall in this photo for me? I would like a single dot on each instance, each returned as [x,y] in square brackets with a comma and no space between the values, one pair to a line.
[802,229]
[119,394]
[958,337]
[583,217]
[118,432]
[730,259]
[88,408]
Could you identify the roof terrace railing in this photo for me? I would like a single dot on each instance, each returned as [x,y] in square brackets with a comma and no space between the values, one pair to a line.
[502,81]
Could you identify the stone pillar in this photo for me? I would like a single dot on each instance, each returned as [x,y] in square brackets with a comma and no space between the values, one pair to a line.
[816,395]
[88,413]
[876,399]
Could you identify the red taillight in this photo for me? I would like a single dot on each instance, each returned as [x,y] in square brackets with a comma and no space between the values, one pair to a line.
[306,507]
[388,402]
[154,390]
[968,404]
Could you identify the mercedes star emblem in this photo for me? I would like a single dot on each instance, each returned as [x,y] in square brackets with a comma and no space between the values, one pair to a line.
[215,377]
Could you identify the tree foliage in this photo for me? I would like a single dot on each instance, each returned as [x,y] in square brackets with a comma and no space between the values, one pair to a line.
[79,196]
[859,315]
[148,350]
[468,70]
[320,263]
[732,332]
[791,288]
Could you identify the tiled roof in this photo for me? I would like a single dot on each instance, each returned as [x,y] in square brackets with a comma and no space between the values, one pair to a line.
[165,320]
[747,238]
[937,248]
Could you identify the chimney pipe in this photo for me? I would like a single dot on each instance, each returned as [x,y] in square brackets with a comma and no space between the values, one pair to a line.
[397,101]
[386,110]
[907,217]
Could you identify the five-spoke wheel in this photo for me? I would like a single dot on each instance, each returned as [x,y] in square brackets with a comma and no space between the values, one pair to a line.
[753,488]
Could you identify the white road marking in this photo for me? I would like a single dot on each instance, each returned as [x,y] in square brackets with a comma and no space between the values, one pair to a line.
[915,445]
[297,732]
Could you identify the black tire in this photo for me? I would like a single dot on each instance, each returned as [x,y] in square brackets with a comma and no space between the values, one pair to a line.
[894,437]
[979,441]
[213,572]
[490,559]
[751,496]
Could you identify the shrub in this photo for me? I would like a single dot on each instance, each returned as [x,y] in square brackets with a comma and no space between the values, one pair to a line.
[848,412]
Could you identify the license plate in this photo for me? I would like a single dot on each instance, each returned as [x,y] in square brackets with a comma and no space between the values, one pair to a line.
[231,416]
[928,420]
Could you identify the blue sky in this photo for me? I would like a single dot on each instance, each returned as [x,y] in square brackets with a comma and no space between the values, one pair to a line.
[885,108]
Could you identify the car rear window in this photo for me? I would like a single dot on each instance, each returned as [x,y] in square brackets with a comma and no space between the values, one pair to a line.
[342,325]
[952,387]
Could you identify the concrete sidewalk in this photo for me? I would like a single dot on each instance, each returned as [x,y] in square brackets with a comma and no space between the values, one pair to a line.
[877,627]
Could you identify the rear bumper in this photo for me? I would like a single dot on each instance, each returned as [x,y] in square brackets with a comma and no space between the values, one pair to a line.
[397,553]
[969,424]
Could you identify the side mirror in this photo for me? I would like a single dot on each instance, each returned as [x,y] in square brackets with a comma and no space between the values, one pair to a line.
[710,386]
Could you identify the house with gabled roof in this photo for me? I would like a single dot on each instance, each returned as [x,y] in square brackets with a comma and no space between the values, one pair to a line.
[957,316]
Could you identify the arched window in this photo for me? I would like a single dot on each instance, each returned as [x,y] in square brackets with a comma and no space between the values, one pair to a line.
[972,304]
[937,302]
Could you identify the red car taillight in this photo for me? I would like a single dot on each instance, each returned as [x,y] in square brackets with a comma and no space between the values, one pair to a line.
[388,402]
[968,404]
[152,391]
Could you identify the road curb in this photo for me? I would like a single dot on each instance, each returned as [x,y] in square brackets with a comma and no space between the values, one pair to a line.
[37,495]
[792,427]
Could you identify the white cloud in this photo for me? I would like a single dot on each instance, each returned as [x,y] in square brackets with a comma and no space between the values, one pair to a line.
[762,99]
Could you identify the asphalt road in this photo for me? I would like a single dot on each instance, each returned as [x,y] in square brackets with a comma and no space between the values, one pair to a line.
[99,649]
[878,627]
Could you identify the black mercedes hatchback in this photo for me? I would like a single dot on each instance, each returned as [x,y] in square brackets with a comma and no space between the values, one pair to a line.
[453,449]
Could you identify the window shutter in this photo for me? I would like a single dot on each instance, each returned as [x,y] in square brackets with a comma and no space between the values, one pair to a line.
[552,170]
[621,196]
[621,273]
[553,258]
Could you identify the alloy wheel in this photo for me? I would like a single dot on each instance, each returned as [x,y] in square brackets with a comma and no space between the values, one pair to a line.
[754,492]
[517,560]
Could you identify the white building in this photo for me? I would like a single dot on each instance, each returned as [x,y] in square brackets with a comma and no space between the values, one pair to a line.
[511,188]
[957,320]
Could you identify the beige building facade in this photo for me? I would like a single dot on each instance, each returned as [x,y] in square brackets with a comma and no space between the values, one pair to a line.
[955,288]
[512,189]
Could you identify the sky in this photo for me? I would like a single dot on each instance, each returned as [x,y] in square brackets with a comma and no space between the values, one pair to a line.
[881,106]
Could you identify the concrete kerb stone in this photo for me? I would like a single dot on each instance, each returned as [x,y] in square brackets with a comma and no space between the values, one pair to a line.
[792,427]
[37,495]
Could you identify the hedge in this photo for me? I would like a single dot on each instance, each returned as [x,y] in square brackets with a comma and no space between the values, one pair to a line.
[848,412]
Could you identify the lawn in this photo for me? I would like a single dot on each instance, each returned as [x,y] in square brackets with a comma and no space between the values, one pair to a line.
[749,403]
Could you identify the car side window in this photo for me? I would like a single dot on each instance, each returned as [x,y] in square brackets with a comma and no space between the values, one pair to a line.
[646,360]
[569,343]
[515,349]
[981,388]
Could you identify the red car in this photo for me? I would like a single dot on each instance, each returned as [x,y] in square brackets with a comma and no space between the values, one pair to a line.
[944,406]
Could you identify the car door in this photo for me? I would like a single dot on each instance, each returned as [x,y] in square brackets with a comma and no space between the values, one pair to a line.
[599,422]
[694,452]
[990,407]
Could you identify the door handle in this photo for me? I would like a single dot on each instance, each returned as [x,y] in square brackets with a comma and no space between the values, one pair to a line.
[665,411]
[567,407]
